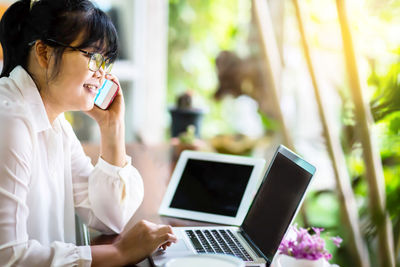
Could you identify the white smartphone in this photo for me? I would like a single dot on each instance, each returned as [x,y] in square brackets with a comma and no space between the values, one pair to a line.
[106,94]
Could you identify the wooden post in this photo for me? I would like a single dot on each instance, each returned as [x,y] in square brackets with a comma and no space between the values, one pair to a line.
[272,60]
[372,160]
[274,66]
[346,196]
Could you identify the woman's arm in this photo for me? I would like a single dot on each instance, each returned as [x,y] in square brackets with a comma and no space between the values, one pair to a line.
[112,128]
[112,147]
[108,195]
[106,255]
[17,161]
[105,196]
[144,238]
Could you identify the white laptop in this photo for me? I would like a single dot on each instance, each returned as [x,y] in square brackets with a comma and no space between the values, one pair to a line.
[257,240]
[212,187]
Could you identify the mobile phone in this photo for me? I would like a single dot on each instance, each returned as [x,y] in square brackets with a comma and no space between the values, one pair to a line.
[106,94]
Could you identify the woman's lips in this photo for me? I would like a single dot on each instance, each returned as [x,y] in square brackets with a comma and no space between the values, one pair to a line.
[91,88]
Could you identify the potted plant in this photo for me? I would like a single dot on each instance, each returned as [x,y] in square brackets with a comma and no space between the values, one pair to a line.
[184,115]
[186,141]
[302,249]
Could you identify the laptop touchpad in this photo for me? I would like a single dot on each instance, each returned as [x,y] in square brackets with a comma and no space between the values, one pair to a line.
[179,246]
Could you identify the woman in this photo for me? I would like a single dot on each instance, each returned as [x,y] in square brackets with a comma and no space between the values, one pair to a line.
[56,55]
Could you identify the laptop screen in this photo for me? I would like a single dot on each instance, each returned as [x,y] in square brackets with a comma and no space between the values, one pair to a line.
[277,201]
[212,187]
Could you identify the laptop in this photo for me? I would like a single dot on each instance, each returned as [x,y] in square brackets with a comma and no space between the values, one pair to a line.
[212,187]
[256,241]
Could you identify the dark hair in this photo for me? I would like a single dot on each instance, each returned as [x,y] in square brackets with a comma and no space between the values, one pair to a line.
[60,20]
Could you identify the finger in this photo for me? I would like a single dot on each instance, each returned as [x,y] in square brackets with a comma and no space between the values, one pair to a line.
[114,79]
[167,237]
[165,245]
[168,244]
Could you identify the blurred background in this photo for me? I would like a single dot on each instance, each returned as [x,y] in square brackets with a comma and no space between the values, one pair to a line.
[210,75]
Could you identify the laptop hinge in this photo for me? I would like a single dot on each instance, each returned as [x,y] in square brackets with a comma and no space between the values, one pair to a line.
[253,246]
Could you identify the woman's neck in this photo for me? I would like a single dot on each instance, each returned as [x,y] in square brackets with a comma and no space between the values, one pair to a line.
[39,76]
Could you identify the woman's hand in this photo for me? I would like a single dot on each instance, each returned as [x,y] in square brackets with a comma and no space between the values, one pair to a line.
[142,240]
[112,127]
[115,112]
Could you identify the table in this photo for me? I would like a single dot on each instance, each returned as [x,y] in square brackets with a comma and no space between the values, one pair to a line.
[155,164]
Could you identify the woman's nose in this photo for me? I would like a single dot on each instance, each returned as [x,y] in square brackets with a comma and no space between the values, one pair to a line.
[99,73]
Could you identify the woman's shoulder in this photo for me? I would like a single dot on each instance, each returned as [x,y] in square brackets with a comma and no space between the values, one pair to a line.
[11,101]
[16,118]
[12,107]
[14,113]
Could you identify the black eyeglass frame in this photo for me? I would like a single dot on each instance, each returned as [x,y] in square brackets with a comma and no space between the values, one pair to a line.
[107,64]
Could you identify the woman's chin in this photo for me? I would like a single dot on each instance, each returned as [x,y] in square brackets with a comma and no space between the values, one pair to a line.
[88,106]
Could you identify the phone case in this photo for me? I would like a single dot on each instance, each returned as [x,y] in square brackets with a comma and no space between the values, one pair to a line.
[106,94]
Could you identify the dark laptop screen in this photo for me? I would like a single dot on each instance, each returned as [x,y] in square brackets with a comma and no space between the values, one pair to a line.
[212,187]
[276,202]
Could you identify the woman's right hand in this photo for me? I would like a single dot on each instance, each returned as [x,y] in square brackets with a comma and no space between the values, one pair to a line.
[142,240]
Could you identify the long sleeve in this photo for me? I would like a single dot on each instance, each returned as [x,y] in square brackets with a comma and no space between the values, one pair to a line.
[18,163]
[45,177]
[105,196]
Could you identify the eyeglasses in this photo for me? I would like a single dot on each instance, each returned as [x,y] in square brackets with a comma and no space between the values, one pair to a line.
[96,60]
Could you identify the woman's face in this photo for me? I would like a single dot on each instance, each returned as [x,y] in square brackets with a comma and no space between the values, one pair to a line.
[75,87]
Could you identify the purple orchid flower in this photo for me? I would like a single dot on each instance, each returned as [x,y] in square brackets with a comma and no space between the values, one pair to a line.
[307,246]
[337,241]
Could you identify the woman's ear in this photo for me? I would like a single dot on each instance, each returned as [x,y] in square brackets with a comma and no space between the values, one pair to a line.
[42,53]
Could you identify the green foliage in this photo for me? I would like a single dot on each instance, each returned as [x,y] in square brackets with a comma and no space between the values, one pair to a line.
[385,107]
[198,31]
[387,96]
[386,111]
[268,123]
[189,136]
[323,203]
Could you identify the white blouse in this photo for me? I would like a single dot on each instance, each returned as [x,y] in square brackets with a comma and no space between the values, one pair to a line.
[45,177]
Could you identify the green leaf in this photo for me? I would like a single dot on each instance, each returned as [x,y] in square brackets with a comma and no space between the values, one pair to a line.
[395,126]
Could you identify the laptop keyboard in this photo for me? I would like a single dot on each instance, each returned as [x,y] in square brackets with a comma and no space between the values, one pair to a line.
[217,241]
